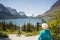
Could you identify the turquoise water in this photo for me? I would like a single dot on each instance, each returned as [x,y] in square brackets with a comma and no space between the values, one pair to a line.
[20,22]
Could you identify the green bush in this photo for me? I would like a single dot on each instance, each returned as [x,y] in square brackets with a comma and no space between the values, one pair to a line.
[33,33]
[4,35]
[54,25]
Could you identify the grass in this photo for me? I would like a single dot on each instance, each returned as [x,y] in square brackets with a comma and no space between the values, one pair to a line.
[3,34]
[30,33]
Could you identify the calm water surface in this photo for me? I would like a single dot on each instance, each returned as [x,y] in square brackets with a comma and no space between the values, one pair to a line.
[20,22]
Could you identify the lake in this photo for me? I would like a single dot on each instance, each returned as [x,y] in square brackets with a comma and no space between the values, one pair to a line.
[20,22]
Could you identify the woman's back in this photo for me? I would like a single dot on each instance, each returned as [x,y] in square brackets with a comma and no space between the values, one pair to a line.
[45,35]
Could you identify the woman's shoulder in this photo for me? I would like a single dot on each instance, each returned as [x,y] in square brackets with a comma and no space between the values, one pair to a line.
[42,31]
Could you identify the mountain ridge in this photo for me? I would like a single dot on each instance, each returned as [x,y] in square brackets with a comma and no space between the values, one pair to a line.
[47,14]
[9,13]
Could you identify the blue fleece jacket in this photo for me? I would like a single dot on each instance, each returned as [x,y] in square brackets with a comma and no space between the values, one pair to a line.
[45,35]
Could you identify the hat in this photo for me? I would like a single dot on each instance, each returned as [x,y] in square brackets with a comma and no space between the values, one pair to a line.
[45,26]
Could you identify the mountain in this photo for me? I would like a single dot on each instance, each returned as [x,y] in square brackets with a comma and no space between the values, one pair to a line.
[48,14]
[56,5]
[13,12]
[5,13]
[32,16]
[23,15]
[10,13]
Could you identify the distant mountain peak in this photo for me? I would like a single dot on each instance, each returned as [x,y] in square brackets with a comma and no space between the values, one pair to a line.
[22,13]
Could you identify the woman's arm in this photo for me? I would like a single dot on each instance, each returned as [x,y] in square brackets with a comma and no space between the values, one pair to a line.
[51,37]
[40,36]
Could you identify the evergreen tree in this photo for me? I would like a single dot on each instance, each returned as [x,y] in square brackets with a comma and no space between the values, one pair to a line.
[37,26]
[23,27]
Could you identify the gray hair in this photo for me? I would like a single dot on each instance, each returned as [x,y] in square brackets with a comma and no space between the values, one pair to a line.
[45,26]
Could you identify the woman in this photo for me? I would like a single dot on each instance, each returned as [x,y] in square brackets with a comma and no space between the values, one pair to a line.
[19,31]
[45,33]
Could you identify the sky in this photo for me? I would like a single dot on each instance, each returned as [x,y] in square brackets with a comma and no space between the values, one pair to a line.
[35,7]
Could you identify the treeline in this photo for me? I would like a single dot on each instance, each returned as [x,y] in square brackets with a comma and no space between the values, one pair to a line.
[54,25]
[6,28]
[30,28]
